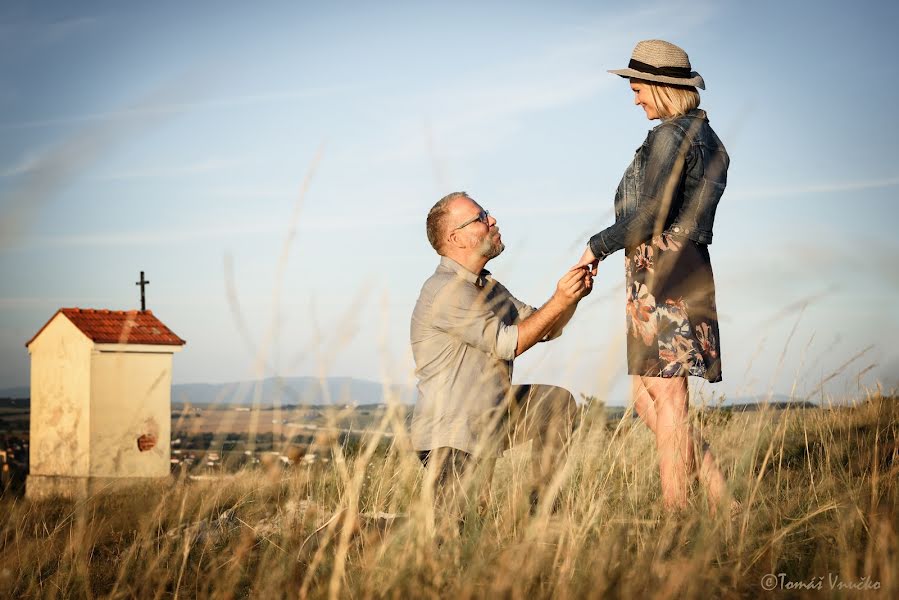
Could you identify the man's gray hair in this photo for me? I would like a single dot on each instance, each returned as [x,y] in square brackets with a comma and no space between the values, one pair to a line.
[435,224]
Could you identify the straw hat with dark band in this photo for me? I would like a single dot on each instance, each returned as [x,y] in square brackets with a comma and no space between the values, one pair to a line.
[657,60]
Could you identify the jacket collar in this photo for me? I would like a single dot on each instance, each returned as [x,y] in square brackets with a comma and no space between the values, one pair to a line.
[696,113]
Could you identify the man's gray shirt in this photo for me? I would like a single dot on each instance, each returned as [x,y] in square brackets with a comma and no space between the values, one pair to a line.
[464,335]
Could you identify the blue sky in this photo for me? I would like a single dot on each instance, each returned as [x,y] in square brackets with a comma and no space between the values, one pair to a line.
[270,166]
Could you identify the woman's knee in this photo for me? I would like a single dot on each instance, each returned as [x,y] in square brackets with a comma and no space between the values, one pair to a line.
[670,390]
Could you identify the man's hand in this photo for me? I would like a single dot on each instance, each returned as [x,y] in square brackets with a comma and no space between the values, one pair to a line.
[577,282]
[571,287]
[552,316]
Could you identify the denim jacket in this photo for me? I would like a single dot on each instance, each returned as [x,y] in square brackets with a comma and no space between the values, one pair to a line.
[673,185]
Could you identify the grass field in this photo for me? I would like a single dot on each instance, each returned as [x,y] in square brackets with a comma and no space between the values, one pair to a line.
[818,486]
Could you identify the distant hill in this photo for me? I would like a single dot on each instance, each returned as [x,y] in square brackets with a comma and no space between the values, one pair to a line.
[344,390]
[293,390]
[735,403]
[15,392]
[740,405]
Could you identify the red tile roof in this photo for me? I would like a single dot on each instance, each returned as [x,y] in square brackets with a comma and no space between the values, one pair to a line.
[118,327]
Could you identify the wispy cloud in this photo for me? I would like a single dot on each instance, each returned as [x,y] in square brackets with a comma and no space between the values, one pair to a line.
[254,192]
[25,35]
[30,302]
[154,237]
[475,115]
[60,29]
[204,166]
[325,223]
[55,167]
[813,188]
[476,111]
[26,164]
[37,160]
[175,108]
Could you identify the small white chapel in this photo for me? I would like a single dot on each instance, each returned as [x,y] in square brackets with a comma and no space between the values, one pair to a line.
[100,401]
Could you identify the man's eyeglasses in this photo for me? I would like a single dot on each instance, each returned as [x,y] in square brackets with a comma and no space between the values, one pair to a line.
[481,216]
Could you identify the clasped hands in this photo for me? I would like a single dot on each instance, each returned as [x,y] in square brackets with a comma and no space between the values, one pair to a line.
[578,281]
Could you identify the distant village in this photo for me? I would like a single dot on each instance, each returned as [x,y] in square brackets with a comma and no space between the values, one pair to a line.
[297,436]
[306,438]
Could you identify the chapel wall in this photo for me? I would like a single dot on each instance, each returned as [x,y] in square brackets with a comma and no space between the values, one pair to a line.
[60,400]
[130,398]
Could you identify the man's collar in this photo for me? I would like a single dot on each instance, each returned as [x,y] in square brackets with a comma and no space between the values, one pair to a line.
[478,280]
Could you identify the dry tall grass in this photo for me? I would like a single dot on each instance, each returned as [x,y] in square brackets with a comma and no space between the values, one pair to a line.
[819,487]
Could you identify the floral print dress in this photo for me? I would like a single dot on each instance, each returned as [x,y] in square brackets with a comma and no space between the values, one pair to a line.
[672,321]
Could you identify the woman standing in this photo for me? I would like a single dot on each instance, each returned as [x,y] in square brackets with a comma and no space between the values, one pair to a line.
[664,211]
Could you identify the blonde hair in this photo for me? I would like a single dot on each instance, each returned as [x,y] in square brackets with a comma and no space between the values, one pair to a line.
[672,100]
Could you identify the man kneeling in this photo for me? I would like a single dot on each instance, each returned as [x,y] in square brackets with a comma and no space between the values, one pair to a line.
[466,331]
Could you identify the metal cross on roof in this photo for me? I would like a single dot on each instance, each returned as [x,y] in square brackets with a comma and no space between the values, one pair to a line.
[142,283]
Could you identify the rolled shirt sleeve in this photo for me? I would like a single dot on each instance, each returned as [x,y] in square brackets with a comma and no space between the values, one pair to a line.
[525,311]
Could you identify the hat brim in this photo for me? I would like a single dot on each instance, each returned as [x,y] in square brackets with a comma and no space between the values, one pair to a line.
[694,80]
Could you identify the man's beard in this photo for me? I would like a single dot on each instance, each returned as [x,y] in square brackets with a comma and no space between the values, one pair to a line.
[491,249]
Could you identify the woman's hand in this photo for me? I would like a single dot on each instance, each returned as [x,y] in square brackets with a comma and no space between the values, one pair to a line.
[588,259]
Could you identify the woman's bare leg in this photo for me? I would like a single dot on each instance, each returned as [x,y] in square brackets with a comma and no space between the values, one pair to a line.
[673,440]
[711,477]
[677,440]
